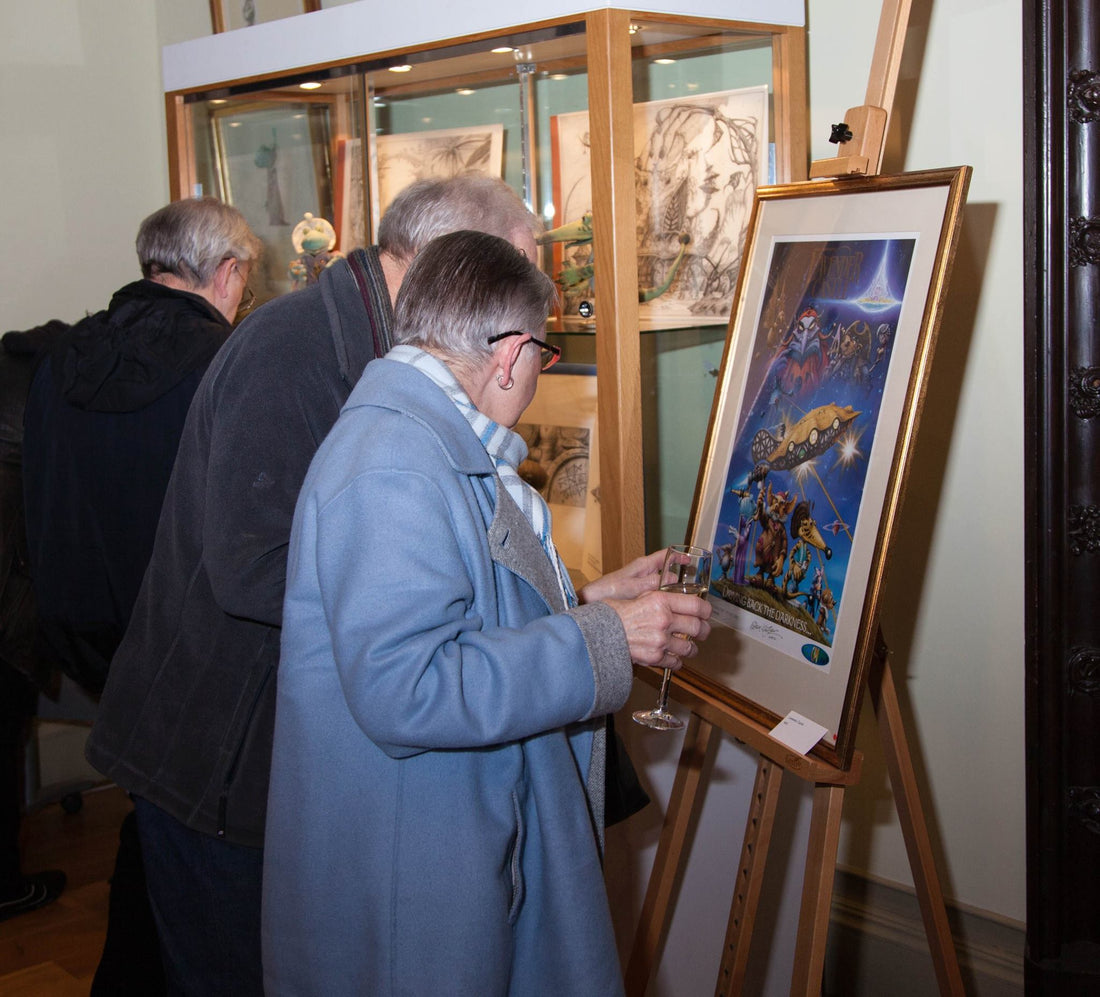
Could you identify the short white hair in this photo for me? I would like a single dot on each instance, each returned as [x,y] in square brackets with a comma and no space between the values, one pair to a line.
[463,288]
[428,209]
[190,238]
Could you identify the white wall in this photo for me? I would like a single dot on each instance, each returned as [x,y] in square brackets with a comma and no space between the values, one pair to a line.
[82,160]
[181,21]
[954,602]
[953,605]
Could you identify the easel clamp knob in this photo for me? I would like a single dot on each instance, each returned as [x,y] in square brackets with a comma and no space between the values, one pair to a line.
[841,133]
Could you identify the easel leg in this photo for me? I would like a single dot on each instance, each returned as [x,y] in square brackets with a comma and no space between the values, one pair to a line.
[668,861]
[899,764]
[750,876]
[817,891]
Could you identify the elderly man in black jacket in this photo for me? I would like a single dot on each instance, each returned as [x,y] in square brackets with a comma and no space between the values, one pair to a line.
[103,422]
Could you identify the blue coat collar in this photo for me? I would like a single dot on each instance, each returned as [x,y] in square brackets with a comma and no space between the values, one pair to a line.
[400,388]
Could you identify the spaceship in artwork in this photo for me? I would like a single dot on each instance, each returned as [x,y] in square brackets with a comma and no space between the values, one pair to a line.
[811,436]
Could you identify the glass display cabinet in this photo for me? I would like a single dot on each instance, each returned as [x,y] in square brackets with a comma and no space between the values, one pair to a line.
[638,137]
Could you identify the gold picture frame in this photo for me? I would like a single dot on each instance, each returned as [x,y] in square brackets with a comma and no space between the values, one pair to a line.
[810,438]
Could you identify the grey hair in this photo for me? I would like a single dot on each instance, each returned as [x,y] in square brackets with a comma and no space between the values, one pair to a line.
[428,209]
[190,238]
[463,288]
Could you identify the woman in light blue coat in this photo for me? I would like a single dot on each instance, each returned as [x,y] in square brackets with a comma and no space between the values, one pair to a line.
[435,817]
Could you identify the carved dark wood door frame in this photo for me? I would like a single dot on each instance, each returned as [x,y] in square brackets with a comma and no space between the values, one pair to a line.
[1062,533]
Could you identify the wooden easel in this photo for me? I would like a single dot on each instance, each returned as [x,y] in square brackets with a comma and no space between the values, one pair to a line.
[829,783]
[865,129]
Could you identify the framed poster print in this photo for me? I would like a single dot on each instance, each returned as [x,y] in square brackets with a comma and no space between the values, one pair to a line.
[811,432]
[697,163]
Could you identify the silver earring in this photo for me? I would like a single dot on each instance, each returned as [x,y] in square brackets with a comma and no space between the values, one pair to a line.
[503,386]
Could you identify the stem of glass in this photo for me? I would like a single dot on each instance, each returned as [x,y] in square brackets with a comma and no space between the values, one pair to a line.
[662,699]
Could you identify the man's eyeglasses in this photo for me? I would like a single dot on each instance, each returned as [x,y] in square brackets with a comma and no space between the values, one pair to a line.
[248,296]
[550,354]
[248,299]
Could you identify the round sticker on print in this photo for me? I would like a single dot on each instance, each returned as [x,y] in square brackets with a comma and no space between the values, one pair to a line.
[815,655]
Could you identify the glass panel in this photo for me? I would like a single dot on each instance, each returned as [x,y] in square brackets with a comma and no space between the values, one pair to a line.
[703,106]
[468,129]
[484,106]
[343,149]
[277,154]
[485,110]
[457,109]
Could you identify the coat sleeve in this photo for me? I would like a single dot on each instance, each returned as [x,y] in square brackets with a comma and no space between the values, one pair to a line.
[422,660]
[267,421]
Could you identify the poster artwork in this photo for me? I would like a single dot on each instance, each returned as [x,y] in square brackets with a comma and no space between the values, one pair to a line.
[806,425]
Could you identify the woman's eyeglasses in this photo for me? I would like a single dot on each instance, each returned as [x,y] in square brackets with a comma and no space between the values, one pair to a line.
[550,354]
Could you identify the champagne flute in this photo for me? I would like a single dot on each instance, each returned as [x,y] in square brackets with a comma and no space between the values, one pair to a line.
[686,569]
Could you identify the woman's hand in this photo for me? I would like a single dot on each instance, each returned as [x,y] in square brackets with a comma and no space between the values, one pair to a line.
[641,575]
[662,627]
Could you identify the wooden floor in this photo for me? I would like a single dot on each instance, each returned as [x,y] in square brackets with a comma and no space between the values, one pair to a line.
[53,951]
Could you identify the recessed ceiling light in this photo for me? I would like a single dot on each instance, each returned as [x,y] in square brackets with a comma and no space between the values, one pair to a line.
[559,76]
[218,100]
[502,49]
[634,29]
[312,85]
[465,91]
[400,69]
[664,62]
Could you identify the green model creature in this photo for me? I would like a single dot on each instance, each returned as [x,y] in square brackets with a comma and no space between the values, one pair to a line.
[579,233]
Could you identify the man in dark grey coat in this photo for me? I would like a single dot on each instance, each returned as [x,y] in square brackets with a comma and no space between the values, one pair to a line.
[186,718]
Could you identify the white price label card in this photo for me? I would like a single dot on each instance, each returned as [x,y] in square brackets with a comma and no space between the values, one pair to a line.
[798,733]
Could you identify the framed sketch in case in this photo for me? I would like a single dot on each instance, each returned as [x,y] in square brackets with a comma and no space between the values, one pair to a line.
[443,152]
[697,162]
